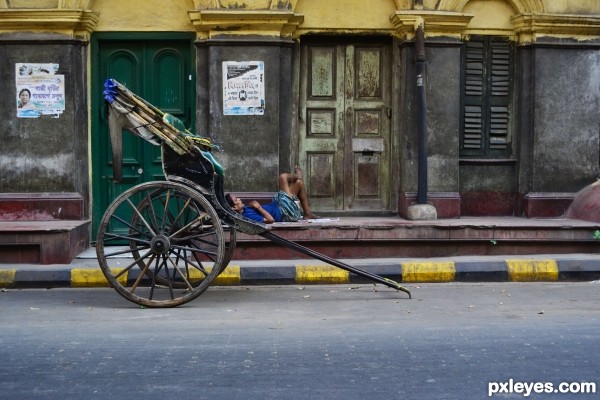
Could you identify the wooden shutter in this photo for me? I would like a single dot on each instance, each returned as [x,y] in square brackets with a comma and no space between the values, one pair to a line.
[473,88]
[499,82]
[486,89]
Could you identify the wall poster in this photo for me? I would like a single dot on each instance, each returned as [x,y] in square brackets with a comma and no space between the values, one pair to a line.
[243,88]
[40,91]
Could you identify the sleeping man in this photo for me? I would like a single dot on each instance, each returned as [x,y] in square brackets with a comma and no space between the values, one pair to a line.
[284,207]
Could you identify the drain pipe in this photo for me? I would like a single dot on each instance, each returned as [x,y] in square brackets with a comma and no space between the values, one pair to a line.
[421,210]
[422,113]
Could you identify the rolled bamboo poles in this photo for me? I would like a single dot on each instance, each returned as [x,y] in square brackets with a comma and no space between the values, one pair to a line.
[149,122]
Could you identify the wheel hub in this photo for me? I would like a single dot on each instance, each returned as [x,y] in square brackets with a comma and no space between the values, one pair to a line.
[160,244]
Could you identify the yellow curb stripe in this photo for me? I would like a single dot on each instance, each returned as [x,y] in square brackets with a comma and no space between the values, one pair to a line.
[230,276]
[7,277]
[321,274]
[428,271]
[89,277]
[532,270]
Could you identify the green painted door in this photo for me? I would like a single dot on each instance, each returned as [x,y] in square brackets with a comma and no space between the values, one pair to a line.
[161,72]
[345,140]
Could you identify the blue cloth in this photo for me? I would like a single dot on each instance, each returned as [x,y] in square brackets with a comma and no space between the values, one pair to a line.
[272,209]
[283,208]
[110,90]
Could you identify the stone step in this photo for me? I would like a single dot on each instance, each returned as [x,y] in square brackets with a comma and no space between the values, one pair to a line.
[42,242]
[358,238]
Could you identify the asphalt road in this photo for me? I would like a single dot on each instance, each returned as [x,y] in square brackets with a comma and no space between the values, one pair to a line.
[451,341]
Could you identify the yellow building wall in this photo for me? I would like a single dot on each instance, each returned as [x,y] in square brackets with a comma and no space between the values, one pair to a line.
[144,15]
[560,18]
[346,15]
[490,15]
[587,7]
[340,16]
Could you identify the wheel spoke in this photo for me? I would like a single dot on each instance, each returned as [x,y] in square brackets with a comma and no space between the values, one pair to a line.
[199,261]
[133,264]
[141,217]
[153,282]
[207,252]
[196,231]
[151,212]
[196,221]
[166,212]
[127,224]
[194,266]
[211,257]
[142,273]
[120,236]
[197,266]
[181,211]
[169,282]
[176,269]
[198,238]
[127,251]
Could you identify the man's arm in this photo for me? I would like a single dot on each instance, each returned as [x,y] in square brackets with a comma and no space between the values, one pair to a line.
[268,218]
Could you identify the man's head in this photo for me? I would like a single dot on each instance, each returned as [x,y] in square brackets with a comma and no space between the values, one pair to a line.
[234,202]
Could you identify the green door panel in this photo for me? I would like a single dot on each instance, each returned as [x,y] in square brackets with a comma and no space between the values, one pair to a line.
[344,142]
[160,71]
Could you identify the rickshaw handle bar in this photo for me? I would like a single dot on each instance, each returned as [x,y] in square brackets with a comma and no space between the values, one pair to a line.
[314,254]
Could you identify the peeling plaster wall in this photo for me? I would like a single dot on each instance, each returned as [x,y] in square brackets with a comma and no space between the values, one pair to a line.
[49,172]
[44,154]
[443,103]
[567,119]
[250,143]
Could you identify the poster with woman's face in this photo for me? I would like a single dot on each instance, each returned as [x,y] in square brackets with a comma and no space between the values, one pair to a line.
[40,91]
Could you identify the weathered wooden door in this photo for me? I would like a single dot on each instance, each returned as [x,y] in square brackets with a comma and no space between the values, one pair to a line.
[344,142]
[161,72]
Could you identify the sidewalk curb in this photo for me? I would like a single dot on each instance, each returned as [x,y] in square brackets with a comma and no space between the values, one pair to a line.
[285,272]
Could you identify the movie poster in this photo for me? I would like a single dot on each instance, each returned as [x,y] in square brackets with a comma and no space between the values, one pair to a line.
[243,88]
[40,91]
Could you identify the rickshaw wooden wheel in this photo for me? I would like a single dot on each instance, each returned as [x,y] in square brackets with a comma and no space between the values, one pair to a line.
[168,240]
[229,237]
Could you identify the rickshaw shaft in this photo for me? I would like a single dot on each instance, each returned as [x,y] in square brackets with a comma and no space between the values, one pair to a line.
[314,254]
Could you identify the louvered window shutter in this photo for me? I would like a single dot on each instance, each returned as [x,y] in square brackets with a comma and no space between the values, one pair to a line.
[473,91]
[486,89]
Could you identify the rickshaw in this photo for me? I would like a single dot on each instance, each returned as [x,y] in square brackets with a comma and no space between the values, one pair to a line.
[179,234]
